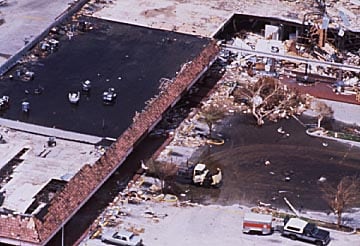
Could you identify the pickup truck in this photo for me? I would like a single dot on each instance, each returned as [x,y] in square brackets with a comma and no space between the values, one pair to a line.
[199,174]
[296,228]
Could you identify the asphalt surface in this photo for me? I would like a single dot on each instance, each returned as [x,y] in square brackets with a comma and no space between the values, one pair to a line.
[129,58]
[304,159]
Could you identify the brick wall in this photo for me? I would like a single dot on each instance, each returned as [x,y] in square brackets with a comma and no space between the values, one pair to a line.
[19,228]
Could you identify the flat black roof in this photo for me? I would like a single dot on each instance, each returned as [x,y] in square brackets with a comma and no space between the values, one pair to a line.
[129,58]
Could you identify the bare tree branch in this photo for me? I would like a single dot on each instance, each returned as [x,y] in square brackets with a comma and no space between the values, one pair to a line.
[211,114]
[267,97]
[165,171]
[344,195]
[322,110]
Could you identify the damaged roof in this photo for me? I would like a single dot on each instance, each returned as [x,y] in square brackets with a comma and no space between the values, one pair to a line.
[90,177]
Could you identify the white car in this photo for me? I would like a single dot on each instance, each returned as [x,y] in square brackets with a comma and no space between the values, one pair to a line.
[123,237]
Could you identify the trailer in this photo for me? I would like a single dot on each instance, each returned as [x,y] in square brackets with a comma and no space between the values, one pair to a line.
[260,223]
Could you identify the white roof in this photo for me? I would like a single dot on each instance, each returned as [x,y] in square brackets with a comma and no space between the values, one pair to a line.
[296,222]
[35,171]
[265,218]
[125,233]
[200,166]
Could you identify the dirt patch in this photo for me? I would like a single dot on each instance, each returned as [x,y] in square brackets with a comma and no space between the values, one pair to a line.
[167,12]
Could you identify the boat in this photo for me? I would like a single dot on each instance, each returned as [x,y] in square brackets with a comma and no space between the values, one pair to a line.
[109,96]
[4,102]
[86,85]
[74,97]
[25,107]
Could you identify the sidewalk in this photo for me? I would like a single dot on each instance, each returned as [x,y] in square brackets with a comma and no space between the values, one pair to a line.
[344,112]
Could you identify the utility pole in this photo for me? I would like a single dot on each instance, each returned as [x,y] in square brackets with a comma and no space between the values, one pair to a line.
[62,236]
[322,6]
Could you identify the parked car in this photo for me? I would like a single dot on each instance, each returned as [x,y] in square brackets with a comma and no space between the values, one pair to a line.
[124,238]
[296,228]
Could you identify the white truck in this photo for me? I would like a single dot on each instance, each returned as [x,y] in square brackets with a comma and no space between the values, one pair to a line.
[296,228]
[200,175]
[259,223]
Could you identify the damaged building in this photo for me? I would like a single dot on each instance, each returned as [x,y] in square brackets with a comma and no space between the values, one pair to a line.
[296,50]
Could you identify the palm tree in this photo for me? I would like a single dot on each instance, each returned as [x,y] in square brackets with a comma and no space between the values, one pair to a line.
[211,114]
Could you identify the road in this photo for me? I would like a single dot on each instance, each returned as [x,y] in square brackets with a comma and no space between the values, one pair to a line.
[304,159]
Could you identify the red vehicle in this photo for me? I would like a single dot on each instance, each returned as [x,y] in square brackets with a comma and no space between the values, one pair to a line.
[261,223]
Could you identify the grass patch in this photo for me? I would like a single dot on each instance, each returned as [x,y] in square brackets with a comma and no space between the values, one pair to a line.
[345,136]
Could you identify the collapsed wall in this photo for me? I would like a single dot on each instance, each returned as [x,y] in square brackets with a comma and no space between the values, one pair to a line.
[90,178]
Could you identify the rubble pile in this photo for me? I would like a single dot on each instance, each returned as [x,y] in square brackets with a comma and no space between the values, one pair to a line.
[145,191]
[193,131]
[353,58]
[343,82]
[332,7]
[95,5]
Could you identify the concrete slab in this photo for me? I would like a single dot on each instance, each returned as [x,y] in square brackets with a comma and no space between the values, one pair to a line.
[205,17]
[24,20]
[47,131]
[195,17]
[201,225]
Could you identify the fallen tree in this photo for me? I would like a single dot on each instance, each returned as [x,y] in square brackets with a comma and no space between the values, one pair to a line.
[269,98]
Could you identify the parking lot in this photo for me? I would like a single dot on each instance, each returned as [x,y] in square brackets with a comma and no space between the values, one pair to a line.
[112,55]
[200,225]
[292,153]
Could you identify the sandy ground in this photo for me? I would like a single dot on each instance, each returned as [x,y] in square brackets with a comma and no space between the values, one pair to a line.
[204,18]
[202,225]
